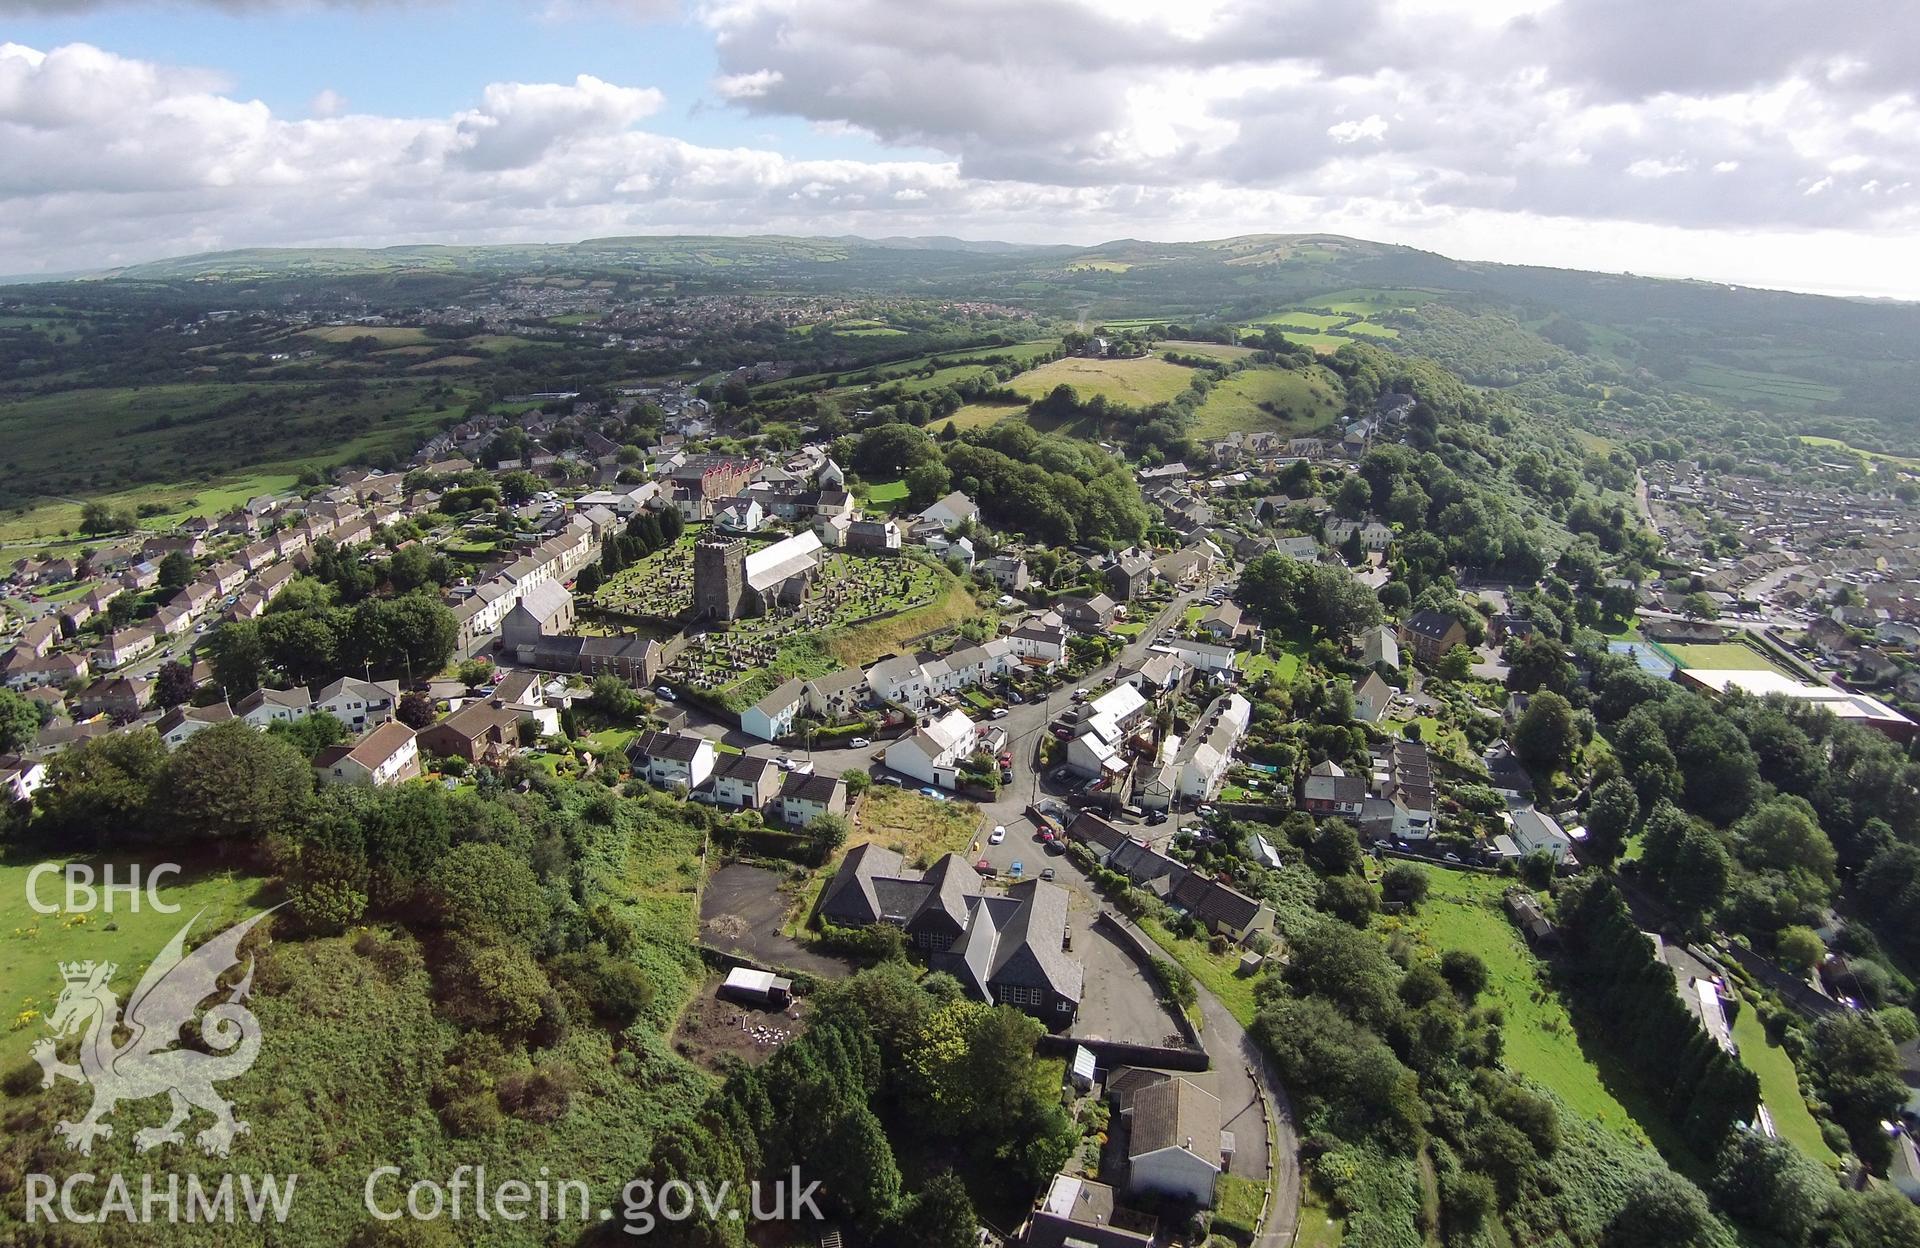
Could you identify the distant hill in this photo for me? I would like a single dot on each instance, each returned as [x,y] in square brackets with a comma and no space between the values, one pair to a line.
[1840,367]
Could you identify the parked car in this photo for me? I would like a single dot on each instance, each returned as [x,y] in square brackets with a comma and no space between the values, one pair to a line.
[1156,818]
[1006,775]
[784,763]
[985,868]
[665,694]
[998,712]
[999,834]
[895,781]
[859,743]
[1018,869]
[1047,874]
[1015,696]
[1079,695]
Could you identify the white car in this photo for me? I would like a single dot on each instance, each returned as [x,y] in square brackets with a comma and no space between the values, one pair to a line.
[998,712]
[999,834]
[1004,600]
[859,743]
[784,763]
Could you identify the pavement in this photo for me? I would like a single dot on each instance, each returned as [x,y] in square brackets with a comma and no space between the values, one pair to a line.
[742,910]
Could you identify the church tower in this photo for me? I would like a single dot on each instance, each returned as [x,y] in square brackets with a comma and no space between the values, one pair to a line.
[719,578]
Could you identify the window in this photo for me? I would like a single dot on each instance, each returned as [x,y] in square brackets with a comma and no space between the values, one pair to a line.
[1016,994]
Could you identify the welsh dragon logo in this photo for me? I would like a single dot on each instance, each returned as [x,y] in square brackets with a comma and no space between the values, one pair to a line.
[148,1063]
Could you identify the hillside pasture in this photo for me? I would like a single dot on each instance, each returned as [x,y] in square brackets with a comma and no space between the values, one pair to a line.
[1224,352]
[1464,911]
[35,944]
[1302,319]
[981,415]
[1257,400]
[165,443]
[385,335]
[1140,382]
[1744,385]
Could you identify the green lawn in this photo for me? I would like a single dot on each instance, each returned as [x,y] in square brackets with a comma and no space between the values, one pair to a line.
[1320,1227]
[1779,1087]
[1133,383]
[35,944]
[1281,667]
[887,492]
[1275,400]
[1238,1200]
[1725,656]
[1224,352]
[1463,911]
[1217,972]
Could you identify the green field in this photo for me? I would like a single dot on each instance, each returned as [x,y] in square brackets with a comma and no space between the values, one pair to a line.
[887,492]
[1463,911]
[1730,656]
[1242,403]
[1326,344]
[1224,352]
[1369,302]
[1133,383]
[1305,320]
[1903,461]
[1779,1087]
[1750,386]
[164,444]
[385,335]
[36,943]
[980,415]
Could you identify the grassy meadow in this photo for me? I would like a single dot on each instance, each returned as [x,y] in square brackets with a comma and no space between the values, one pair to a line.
[35,944]
[1256,400]
[1463,911]
[1138,382]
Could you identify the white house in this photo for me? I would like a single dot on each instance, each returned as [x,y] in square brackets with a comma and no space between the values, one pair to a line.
[270,706]
[1174,1149]
[1206,656]
[358,703]
[670,758]
[932,753]
[1040,644]
[772,716]
[181,723]
[389,754]
[1209,748]
[951,511]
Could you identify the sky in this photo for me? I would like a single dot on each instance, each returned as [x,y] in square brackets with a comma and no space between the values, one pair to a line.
[1762,142]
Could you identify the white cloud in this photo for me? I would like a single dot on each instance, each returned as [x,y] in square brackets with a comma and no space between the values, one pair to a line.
[1374,127]
[327,103]
[1488,127]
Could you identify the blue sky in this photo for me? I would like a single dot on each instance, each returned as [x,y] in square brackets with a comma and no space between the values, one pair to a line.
[1599,134]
